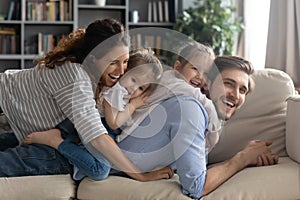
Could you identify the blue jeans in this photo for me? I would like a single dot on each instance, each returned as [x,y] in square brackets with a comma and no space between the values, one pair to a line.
[35,159]
[8,140]
[84,163]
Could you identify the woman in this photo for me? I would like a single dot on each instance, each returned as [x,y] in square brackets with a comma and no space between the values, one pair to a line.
[60,87]
[116,106]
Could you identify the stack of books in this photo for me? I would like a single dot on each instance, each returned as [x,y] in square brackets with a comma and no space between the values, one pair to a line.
[8,41]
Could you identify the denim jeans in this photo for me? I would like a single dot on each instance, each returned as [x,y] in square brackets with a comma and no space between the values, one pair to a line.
[26,160]
[84,163]
[34,159]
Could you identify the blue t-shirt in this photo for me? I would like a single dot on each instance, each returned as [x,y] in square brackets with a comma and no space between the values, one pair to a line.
[172,134]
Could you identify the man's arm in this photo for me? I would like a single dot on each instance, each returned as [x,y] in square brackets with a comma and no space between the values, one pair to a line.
[195,179]
[255,153]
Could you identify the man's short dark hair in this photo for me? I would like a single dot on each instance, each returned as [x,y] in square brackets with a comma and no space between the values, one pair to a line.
[232,62]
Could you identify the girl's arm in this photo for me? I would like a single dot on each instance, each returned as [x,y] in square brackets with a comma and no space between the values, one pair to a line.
[115,118]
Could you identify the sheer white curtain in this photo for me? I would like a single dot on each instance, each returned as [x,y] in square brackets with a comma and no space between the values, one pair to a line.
[253,39]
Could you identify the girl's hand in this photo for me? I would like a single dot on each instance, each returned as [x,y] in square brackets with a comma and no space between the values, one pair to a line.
[139,101]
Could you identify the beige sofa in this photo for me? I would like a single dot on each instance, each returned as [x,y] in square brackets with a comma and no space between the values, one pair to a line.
[270,112]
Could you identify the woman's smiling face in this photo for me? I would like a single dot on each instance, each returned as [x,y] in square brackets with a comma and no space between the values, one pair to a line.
[116,63]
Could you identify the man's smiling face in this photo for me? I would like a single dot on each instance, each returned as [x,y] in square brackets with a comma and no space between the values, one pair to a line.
[229,96]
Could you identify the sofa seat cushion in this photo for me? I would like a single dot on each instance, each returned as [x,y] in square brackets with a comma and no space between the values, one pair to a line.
[58,187]
[275,182]
[263,116]
[116,188]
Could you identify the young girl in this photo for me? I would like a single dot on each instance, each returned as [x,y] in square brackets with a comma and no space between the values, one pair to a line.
[190,70]
[116,105]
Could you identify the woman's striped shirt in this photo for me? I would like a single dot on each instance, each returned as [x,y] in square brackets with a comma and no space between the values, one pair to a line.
[38,99]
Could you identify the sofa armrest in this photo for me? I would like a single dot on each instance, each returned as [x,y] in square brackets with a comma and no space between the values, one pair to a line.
[293,127]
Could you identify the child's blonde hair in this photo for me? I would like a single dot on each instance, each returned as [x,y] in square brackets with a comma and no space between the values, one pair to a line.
[195,50]
[146,58]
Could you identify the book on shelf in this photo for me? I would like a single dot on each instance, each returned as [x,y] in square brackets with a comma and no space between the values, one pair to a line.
[166,7]
[154,3]
[149,11]
[158,45]
[7,31]
[17,11]
[70,10]
[10,10]
[160,11]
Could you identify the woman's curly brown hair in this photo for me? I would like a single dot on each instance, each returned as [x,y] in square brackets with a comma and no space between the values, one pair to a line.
[78,44]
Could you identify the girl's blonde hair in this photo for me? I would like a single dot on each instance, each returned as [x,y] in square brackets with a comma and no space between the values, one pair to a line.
[194,50]
[151,66]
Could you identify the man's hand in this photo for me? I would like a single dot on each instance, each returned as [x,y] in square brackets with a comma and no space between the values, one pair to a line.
[157,174]
[257,153]
[267,158]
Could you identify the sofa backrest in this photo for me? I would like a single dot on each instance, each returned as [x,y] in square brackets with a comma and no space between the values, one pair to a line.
[262,116]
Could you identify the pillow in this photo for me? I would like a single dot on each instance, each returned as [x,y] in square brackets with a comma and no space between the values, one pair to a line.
[261,117]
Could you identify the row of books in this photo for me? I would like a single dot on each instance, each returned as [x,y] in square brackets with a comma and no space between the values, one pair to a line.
[147,41]
[9,41]
[52,10]
[158,11]
[47,42]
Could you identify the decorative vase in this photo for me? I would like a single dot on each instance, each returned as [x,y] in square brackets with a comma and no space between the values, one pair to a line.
[100,2]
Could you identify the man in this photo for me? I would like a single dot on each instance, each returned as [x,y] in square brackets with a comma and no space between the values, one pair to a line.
[174,132]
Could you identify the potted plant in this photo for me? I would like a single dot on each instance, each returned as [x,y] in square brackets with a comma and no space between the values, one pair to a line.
[212,23]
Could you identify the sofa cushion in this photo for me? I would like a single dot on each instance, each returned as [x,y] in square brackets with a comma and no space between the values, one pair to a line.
[275,182]
[116,188]
[37,187]
[261,117]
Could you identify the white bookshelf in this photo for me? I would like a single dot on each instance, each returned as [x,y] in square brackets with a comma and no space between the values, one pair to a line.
[26,45]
